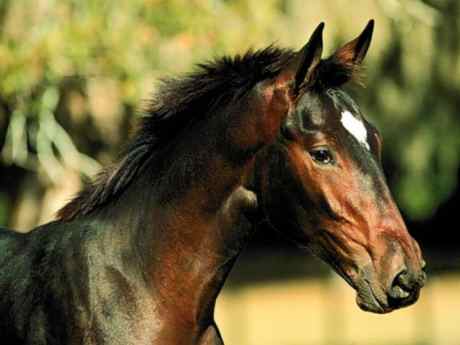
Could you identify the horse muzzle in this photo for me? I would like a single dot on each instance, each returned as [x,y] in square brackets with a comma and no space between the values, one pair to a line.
[403,290]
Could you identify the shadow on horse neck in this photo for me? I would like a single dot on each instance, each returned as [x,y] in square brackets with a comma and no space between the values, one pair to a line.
[141,254]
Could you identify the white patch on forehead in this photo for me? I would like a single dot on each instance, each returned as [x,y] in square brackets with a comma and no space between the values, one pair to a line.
[355,127]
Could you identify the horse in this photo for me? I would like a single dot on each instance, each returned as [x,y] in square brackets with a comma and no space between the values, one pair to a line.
[140,255]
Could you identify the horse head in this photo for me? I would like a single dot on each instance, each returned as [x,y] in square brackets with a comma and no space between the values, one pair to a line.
[322,185]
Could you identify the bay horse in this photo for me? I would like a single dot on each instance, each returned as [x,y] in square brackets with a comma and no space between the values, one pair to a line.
[141,254]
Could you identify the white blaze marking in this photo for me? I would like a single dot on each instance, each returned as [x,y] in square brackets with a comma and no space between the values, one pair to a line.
[355,127]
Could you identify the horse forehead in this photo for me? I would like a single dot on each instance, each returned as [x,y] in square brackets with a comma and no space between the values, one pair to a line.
[355,127]
[333,111]
[349,116]
[310,112]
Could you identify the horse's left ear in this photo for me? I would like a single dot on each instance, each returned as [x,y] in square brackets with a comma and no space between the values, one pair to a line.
[301,68]
[354,52]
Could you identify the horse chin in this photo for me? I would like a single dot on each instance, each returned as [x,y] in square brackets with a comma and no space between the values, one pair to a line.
[367,300]
[369,296]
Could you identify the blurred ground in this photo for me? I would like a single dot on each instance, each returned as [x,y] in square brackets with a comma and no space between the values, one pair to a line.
[323,311]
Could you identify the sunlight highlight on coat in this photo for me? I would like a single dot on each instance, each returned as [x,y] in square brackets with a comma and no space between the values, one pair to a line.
[355,127]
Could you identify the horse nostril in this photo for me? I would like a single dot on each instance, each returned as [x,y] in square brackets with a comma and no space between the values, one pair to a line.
[398,293]
[405,288]
[400,287]
[402,279]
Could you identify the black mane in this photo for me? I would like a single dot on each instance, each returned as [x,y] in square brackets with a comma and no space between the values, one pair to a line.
[181,102]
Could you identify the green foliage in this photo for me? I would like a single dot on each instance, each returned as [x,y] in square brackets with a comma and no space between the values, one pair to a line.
[87,65]
[415,92]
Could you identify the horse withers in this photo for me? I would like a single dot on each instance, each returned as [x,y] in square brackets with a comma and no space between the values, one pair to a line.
[141,254]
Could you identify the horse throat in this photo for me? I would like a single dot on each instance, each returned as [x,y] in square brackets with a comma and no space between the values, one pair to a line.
[185,250]
[191,254]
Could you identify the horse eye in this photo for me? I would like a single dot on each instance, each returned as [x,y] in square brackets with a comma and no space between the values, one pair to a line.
[322,156]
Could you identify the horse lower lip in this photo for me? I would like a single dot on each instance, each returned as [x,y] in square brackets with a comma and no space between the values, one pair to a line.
[368,301]
[373,305]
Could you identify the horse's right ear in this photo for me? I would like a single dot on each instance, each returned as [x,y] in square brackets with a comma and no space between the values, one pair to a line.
[302,66]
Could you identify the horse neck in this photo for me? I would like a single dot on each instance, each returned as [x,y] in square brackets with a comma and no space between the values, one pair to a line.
[185,225]
[185,252]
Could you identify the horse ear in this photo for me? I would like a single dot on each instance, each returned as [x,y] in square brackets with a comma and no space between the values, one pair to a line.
[354,52]
[302,66]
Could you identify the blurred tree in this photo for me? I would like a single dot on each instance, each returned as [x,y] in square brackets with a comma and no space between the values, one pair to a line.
[73,73]
[415,89]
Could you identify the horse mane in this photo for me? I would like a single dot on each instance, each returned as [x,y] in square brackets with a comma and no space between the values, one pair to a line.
[182,102]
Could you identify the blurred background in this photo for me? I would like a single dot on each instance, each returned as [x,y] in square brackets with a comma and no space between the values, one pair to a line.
[74,76]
